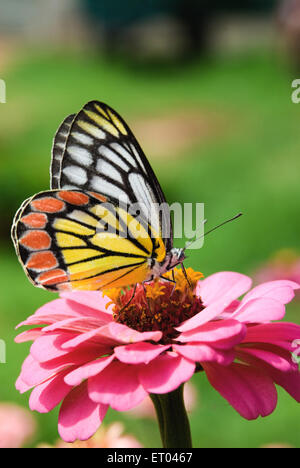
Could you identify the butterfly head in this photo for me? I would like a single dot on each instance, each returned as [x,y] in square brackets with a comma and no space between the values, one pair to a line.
[173,258]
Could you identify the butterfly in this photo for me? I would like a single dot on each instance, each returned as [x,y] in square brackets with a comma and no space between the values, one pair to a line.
[82,234]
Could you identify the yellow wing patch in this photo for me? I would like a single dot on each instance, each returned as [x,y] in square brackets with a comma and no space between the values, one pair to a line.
[78,255]
[106,216]
[95,258]
[117,122]
[100,266]
[116,279]
[85,218]
[61,224]
[67,240]
[91,129]
[102,122]
[112,241]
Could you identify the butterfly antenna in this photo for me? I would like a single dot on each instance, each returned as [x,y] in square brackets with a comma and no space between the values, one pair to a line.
[214,229]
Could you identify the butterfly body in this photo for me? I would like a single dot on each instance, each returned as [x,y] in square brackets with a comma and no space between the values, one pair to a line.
[105,222]
[172,259]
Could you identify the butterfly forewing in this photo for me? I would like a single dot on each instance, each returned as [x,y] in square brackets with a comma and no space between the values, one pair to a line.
[102,155]
[80,240]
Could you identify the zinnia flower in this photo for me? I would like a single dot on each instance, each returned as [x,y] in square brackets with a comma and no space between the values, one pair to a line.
[97,351]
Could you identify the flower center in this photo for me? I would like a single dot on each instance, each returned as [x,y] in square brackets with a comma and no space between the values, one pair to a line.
[164,306]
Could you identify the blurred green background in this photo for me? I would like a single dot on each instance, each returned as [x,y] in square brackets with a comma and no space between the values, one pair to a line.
[216,120]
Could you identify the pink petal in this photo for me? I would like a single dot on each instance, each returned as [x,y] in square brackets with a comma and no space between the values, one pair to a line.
[79,417]
[199,352]
[282,291]
[230,309]
[223,334]
[46,396]
[100,335]
[227,286]
[281,344]
[278,371]
[259,310]
[59,309]
[34,373]
[277,358]
[249,391]
[117,386]
[217,292]
[211,312]
[139,353]
[48,346]
[28,335]
[124,334]
[290,381]
[166,373]
[94,301]
[21,386]
[271,332]
[88,370]
[111,335]
[77,324]
[62,309]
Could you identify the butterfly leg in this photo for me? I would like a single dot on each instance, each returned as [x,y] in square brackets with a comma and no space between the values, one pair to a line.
[185,275]
[130,300]
[144,287]
[168,279]
[174,281]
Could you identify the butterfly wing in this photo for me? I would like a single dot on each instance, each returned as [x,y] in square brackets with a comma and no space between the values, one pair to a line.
[69,240]
[58,148]
[102,155]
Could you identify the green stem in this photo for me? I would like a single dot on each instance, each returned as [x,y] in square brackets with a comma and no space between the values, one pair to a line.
[172,419]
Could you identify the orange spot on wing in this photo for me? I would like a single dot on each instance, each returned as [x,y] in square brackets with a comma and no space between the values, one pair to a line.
[48,205]
[52,277]
[75,198]
[42,261]
[36,240]
[100,197]
[35,220]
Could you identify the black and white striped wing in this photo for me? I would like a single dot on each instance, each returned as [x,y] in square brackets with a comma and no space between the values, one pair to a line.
[58,148]
[102,155]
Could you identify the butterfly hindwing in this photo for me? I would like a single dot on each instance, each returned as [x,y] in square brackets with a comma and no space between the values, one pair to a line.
[102,155]
[58,148]
[80,240]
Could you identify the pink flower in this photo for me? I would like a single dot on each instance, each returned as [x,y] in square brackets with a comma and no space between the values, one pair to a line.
[285,264]
[94,353]
[106,437]
[17,426]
